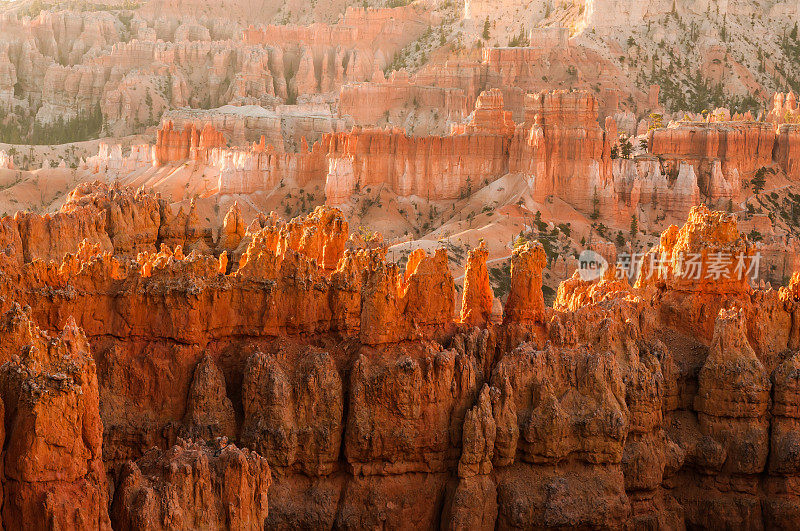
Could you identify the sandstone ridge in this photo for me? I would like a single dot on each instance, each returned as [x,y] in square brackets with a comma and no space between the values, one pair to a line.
[341,381]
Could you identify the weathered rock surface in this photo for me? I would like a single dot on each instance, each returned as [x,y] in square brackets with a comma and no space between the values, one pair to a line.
[476,304]
[219,370]
[53,472]
[699,269]
[370,103]
[209,411]
[134,64]
[525,300]
[556,145]
[363,400]
[294,420]
[194,485]
[172,145]
[435,167]
[419,304]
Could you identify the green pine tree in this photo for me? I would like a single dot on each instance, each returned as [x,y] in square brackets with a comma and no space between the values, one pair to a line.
[759,180]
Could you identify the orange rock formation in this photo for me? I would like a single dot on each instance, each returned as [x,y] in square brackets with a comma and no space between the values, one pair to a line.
[476,304]
[431,167]
[699,269]
[558,146]
[173,146]
[525,300]
[53,464]
[721,153]
[353,383]
[211,485]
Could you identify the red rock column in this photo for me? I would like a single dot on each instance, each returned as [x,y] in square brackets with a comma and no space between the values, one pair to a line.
[54,476]
[525,303]
[476,303]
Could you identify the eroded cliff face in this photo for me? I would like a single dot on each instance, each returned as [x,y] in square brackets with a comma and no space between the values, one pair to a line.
[288,380]
[172,145]
[370,103]
[556,148]
[193,485]
[699,269]
[135,63]
[53,472]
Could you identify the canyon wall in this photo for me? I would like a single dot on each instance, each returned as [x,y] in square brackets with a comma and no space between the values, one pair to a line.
[320,57]
[785,114]
[386,28]
[559,148]
[788,150]
[263,168]
[354,385]
[429,167]
[562,147]
[136,62]
[62,65]
[721,153]
[173,145]
[283,128]
[369,103]
[239,124]
[238,170]
[550,60]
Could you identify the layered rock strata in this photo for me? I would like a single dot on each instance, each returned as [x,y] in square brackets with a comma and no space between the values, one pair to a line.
[205,486]
[53,472]
[134,64]
[558,147]
[363,400]
[172,145]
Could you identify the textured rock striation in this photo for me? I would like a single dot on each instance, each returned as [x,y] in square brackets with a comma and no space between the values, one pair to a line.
[363,400]
[53,473]
[557,147]
[320,57]
[172,145]
[431,167]
[136,63]
[194,485]
[368,103]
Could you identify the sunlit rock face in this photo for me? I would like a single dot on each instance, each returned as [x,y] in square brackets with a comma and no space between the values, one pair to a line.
[311,377]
